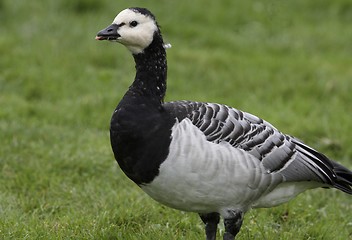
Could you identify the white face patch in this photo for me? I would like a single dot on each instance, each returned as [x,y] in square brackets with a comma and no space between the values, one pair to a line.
[136,30]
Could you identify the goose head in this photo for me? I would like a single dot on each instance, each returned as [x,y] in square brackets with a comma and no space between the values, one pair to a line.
[135,28]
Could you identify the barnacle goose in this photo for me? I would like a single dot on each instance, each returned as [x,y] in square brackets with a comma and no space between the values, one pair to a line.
[206,158]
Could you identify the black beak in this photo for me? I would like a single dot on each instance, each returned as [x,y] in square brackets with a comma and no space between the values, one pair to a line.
[109,33]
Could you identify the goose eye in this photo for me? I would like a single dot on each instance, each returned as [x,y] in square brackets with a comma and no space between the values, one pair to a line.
[133,23]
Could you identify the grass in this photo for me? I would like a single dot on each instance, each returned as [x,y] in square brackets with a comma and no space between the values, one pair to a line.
[286,61]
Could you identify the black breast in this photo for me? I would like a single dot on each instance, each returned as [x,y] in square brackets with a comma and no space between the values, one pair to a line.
[140,134]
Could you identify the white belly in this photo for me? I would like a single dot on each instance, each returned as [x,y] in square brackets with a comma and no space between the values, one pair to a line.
[201,176]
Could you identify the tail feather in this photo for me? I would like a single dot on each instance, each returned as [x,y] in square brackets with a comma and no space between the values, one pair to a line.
[332,173]
[343,179]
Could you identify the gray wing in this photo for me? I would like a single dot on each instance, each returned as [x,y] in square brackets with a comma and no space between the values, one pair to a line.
[277,151]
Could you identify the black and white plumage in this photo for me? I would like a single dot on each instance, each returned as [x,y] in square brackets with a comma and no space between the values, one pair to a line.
[204,157]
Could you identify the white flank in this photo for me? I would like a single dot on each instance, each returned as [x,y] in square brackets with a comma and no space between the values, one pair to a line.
[201,176]
[284,192]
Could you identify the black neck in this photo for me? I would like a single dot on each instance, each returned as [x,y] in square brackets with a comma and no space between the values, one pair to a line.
[151,71]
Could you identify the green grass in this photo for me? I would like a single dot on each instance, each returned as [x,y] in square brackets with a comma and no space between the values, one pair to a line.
[286,61]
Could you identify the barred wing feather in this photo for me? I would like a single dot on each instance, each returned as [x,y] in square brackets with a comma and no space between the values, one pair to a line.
[277,151]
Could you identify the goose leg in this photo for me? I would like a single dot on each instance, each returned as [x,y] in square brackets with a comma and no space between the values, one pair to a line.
[233,224]
[211,221]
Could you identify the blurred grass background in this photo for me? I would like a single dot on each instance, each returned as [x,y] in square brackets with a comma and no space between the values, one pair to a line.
[288,62]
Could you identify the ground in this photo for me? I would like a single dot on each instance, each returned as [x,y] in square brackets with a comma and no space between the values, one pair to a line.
[288,62]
